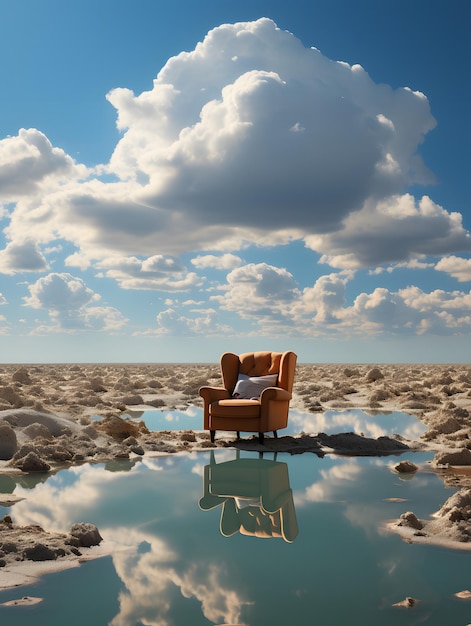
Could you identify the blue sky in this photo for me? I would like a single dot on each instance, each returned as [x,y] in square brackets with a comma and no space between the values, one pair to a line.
[178,179]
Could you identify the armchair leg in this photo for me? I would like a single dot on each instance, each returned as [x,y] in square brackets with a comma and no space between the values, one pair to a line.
[260,438]
[238,434]
[275,434]
[212,434]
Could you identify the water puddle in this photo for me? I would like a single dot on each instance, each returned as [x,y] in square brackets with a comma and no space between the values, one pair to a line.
[224,537]
[229,537]
[371,425]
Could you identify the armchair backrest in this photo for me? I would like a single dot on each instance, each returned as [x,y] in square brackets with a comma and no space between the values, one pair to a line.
[259,364]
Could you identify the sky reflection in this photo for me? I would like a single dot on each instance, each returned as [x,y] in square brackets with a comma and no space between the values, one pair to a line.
[175,566]
[168,567]
[329,422]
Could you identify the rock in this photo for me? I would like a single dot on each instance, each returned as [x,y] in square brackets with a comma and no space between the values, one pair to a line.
[118,428]
[406,467]
[121,454]
[37,430]
[96,385]
[134,446]
[59,454]
[157,403]
[132,400]
[39,552]
[90,431]
[374,374]
[21,376]
[87,534]
[9,547]
[188,436]
[409,519]
[154,384]
[8,442]
[460,457]
[407,603]
[350,372]
[139,450]
[130,441]
[459,501]
[32,463]
[10,395]
[357,444]
[21,453]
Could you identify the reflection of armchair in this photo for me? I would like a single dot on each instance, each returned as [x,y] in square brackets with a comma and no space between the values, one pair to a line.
[269,411]
[255,495]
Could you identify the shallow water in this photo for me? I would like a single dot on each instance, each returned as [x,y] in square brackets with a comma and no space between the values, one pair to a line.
[179,555]
[185,550]
[355,420]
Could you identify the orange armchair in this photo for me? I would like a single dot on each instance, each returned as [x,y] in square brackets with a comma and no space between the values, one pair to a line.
[266,412]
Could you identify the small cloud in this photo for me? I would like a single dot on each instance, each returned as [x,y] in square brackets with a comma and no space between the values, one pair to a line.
[455,266]
[60,292]
[259,291]
[22,256]
[78,259]
[222,262]
[159,272]
[202,322]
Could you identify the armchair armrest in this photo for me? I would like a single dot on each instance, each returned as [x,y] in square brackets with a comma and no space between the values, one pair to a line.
[274,393]
[212,394]
[209,395]
[274,405]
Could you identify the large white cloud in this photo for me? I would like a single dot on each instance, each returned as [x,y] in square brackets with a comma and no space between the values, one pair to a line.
[71,305]
[250,137]
[251,129]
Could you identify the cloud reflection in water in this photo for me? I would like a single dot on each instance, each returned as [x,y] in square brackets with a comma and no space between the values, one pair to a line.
[153,561]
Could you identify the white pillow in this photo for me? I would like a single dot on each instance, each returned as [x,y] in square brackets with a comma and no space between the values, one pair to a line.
[250,387]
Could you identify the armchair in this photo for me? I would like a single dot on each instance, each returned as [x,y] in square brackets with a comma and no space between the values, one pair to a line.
[263,412]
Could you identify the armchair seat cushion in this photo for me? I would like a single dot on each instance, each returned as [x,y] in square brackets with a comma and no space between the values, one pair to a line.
[236,408]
